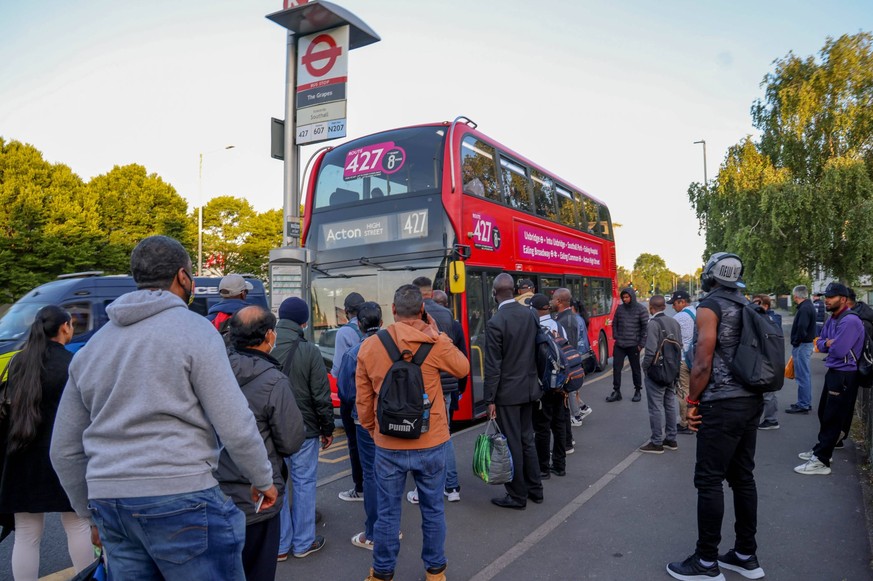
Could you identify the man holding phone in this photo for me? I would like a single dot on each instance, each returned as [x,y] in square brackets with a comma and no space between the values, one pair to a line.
[252,332]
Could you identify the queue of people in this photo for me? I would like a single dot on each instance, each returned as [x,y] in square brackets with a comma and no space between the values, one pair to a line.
[188,455]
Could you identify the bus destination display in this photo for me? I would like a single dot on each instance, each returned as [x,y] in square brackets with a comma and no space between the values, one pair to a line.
[375,229]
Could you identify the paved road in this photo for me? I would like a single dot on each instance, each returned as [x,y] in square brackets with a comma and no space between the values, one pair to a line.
[617,515]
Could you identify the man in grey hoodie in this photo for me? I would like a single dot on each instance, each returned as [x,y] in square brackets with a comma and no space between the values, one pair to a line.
[138,428]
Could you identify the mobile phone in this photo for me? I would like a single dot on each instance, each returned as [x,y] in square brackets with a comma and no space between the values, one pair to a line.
[260,502]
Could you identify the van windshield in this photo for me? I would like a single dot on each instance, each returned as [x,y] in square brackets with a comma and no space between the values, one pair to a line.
[16,323]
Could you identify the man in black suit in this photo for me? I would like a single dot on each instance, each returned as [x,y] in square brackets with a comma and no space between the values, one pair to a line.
[512,389]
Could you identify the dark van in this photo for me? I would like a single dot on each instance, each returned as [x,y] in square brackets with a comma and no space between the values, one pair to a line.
[85,295]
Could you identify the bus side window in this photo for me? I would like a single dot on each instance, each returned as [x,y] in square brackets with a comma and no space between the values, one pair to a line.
[516,187]
[544,195]
[478,169]
[566,207]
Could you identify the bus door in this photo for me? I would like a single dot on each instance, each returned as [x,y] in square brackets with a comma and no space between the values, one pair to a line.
[480,307]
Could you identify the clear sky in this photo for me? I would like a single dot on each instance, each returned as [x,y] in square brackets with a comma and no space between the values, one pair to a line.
[609,96]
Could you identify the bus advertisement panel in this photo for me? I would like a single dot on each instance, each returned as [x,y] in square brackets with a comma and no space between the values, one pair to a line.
[385,209]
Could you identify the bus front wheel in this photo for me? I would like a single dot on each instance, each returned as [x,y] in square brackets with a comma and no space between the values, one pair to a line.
[602,353]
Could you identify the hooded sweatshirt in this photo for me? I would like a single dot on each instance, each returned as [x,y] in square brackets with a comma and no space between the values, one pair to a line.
[631,321]
[147,400]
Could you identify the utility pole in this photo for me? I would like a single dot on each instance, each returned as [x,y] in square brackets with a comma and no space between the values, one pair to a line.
[705,181]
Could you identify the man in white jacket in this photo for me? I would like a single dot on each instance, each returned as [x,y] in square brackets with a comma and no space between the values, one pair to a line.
[137,434]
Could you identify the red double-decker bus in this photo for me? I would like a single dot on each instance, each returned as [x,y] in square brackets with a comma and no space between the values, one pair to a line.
[420,201]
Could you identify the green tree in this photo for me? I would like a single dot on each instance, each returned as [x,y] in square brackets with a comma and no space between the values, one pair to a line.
[651,275]
[133,205]
[799,199]
[238,239]
[49,224]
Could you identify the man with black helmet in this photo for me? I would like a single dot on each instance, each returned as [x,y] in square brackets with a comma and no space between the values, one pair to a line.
[725,415]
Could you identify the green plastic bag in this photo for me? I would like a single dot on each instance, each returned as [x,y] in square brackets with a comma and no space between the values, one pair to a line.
[492,461]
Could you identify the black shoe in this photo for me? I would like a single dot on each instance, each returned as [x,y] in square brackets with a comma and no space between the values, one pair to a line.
[535,499]
[637,396]
[796,409]
[750,569]
[691,570]
[557,472]
[316,546]
[839,445]
[614,396]
[508,502]
[545,475]
[686,430]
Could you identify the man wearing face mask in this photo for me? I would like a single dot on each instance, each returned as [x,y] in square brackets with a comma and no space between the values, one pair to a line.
[150,397]
[302,363]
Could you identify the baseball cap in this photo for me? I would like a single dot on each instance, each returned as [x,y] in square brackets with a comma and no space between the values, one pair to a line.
[232,285]
[677,295]
[539,301]
[524,283]
[836,289]
[726,268]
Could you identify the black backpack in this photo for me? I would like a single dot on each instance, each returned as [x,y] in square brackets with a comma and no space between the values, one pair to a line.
[759,363]
[551,363]
[864,359]
[401,408]
[664,369]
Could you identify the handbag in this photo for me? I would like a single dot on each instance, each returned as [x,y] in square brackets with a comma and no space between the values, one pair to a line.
[492,461]
[96,571]
[789,368]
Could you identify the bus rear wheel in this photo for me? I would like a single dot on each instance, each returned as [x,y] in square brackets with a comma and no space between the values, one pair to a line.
[602,353]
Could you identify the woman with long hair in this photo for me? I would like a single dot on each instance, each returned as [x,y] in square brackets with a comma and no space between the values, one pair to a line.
[29,487]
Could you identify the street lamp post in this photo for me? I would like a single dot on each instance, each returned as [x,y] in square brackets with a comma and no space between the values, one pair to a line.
[705,181]
[200,209]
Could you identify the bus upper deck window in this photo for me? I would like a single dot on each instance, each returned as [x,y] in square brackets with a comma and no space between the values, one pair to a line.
[342,196]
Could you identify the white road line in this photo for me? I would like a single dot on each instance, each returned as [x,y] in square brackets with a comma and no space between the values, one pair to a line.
[530,541]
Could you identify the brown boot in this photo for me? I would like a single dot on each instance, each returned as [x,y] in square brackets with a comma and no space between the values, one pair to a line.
[378,577]
[438,574]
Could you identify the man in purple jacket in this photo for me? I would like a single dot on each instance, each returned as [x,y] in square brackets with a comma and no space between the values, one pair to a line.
[842,338]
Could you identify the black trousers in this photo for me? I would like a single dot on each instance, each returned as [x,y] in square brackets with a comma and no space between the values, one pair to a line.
[260,549]
[516,423]
[835,409]
[550,419]
[633,355]
[352,437]
[726,444]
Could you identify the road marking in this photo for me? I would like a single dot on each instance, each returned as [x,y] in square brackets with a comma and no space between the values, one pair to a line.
[530,541]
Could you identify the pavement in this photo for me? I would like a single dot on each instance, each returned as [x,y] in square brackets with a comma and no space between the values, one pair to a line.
[618,514]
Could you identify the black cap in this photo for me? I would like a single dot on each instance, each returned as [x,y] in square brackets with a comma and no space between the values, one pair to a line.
[539,301]
[679,294]
[836,289]
[353,301]
[852,296]
[524,283]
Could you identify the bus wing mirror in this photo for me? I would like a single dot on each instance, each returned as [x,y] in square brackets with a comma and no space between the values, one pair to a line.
[457,277]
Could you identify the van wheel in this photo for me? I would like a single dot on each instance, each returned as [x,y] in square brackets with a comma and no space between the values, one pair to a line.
[602,353]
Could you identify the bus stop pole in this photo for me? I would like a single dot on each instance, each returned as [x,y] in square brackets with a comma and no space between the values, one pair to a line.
[291,196]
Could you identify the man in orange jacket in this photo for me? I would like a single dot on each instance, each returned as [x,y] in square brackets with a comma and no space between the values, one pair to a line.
[412,329]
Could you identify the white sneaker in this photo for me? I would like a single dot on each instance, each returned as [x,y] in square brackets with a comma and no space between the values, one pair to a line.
[576,421]
[412,496]
[813,466]
[809,455]
[453,495]
[570,450]
[585,411]
[351,495]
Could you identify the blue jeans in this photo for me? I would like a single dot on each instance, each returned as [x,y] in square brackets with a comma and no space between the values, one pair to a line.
[802,355]
[451,467]
[428,468]
[367,453]
[726,442]
[298,527]
[197,535]
[663,411]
